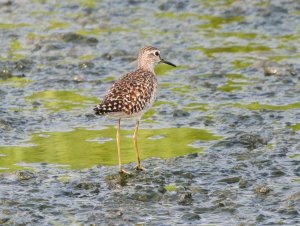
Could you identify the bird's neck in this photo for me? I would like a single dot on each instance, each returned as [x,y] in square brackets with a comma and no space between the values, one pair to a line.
[146,66]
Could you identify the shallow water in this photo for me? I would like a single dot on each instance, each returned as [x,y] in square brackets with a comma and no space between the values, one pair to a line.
[234,98]
[83,148]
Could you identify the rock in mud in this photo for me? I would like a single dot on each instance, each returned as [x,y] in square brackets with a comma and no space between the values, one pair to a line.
[191,217]
[5,73]
[180,113]
[79,39]
[87,64]
[248,140]
[230,180]
[24,65]
[86,185]
[4,220]
[24,175]
[243,183]
[185,199]
[273,68]
[263,190]
[4,125]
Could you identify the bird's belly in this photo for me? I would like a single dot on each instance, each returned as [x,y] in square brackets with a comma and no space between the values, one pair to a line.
[138,115]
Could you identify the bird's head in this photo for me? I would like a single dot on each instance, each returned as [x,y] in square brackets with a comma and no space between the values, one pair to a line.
[149,57]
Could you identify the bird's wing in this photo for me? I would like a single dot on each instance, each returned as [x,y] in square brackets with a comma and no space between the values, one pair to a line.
[129,94]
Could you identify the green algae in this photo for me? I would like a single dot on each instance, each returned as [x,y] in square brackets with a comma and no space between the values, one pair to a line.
[295,127]
[262,4]
[13,51]
[162,69]
[196,107]
[297,12]
[149,113]
[240,35]
[13,26]
[57,100]
[289,37]
[235,82]
[52,24]
[235,76]
[231,86]
[232,49]
[31,36]
[82,148]
[109,79]
[181,16]
[240,64]
[294,156]
[210,20]
[91,4]
[170,187]
[182,89]
[214,3]
[87,57]
[88,3]
[297,180]
[98,31]
[259,106]
[279,58]
[43,13]
[17,82]
[217,22]
[269,146]
[15,45]
[168,84]
[146,33]
[160,102]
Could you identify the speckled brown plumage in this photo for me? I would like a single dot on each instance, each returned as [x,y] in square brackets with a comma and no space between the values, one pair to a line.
[129,96]
[132,95]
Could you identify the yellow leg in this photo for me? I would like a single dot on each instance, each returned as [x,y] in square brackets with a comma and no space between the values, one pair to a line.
[118,144]
[138,161]
[121,171]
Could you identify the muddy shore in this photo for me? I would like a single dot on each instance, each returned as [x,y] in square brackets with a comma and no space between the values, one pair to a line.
[221,145]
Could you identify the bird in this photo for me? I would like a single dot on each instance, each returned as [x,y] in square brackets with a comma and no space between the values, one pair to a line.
[132,95]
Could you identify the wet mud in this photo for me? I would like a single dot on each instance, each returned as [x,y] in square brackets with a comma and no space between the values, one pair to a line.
[220,146]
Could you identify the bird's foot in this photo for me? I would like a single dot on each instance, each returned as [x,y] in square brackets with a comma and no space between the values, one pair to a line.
[124,173]
[139,168]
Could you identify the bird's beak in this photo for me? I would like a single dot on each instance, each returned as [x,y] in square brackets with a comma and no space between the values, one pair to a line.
[167,62]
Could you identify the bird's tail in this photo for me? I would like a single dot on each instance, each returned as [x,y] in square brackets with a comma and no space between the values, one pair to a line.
[108,107]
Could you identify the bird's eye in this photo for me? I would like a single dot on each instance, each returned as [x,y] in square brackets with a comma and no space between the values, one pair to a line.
[156,53]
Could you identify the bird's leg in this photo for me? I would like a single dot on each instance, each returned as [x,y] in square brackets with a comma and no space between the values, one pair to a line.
[121,171]
[138,161]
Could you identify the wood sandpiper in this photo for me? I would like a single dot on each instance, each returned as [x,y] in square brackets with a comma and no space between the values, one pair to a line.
[132,95]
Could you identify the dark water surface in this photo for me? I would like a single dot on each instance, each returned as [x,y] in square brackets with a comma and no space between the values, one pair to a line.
[221,145]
